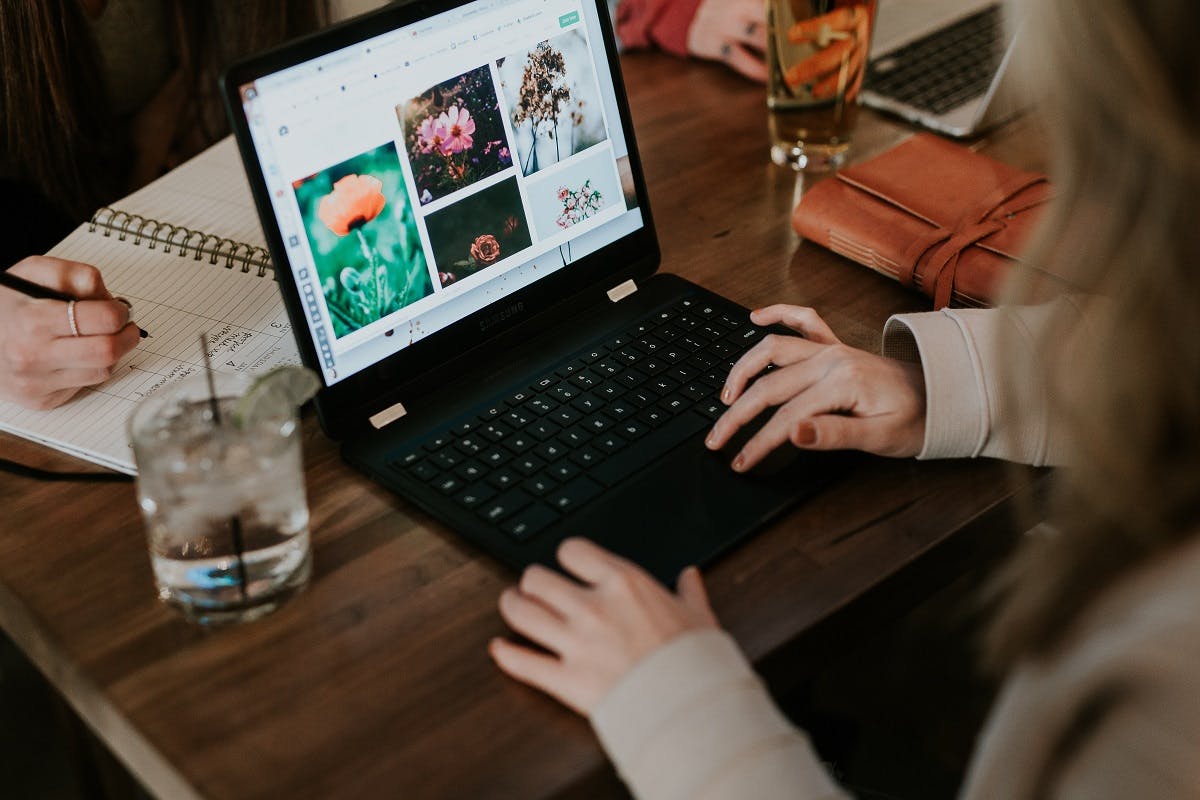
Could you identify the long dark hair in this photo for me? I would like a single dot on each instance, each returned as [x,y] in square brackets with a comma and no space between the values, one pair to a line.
[55,114]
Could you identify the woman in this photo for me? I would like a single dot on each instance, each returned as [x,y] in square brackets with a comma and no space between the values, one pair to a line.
[1097,628]
[97,99]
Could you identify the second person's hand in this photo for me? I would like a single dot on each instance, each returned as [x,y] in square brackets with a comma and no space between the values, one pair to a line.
[732,31]
[829,396]
[596,628]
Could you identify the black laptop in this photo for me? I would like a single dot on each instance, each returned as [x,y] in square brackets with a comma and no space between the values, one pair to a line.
[460,226]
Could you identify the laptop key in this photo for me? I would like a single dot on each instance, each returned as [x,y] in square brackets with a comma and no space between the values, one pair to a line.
[463,428]
[518,398]
[539,485]
[491,412]
[620,409]
[663,385]
[653,365]
[540,406]
[712,409]
[653,416]
[588,403]
[683,373]
[642,397]
[574,494]
[495,457]
[424,471]
[568,370]
[563,471]
[608,442]
[668,333]
[564,392]
[594,355]
[408,459]
[565,415]
[448,484]
[598,423]
[632,378]
[632,429]
[500,508]
[471,471]
[517,419]
[473,496]
[610,391]
[575,437]
[530,521]
[446,459]
[609,366]
[519,442]
[545,383]
[504,479]
[695,391]
[527,464]
[674,404]
[438,442]
[471,444]
[584,380]
[628,356]
[495,431]
[551,451]
[586,457]
[543,430]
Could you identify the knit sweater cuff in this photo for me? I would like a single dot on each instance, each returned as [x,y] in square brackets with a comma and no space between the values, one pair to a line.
[656,23]
[693,718]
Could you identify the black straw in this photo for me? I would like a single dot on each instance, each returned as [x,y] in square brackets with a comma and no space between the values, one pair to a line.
[235,522]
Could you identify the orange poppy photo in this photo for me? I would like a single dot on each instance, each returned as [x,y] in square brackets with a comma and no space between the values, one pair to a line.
[363,235]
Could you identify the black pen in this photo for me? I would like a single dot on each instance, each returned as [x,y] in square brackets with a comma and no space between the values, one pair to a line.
[39,292]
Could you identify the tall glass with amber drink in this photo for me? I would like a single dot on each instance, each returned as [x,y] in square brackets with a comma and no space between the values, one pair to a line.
[817,56]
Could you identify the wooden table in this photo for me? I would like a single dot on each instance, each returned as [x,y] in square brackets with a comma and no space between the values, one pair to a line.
[375,682]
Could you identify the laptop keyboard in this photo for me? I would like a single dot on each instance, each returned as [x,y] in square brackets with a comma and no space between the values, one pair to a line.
[542,452]
[945,69]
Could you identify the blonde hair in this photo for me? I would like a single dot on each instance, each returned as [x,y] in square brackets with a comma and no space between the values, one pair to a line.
[1119,85]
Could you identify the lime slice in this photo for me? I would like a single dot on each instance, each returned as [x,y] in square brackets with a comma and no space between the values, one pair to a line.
[274,393]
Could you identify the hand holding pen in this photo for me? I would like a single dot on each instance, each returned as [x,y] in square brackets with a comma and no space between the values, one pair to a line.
[60,330]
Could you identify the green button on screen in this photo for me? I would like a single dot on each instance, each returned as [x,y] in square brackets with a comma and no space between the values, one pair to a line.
[566,20]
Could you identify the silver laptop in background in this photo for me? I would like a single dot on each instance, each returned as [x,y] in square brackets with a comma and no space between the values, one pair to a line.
[942,64]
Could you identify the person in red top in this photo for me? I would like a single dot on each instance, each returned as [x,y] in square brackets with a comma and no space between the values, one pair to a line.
[731,31]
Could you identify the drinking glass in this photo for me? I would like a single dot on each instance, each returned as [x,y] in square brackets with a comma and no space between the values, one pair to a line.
[817,56]
[223,499]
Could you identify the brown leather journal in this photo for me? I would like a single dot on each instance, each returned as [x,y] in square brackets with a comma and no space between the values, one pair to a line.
[932,214]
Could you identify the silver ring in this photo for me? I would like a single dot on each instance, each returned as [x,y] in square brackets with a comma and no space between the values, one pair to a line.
[71,317]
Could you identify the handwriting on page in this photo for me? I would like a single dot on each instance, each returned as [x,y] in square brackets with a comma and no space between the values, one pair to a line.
[175,298]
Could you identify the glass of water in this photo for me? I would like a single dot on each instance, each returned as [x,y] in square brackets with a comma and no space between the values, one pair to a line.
[223,498]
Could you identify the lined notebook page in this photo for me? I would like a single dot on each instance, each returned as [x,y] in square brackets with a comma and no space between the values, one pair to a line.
[174,298]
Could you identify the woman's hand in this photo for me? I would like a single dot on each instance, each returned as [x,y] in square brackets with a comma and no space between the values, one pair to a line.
[42,365]
[829,396]
[733,31]
[595,631]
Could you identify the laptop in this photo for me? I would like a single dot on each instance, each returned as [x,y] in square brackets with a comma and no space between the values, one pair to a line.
[943,64]
[453,200]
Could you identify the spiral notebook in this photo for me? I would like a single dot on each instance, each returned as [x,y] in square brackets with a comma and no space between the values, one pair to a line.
[188,253]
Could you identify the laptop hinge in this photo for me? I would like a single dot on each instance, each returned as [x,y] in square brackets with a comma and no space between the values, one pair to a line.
[620,292]
[388,416]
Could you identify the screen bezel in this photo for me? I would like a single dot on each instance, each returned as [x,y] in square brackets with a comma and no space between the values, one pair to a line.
[346,406]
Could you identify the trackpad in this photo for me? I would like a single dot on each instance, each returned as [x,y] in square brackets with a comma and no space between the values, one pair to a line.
[689,507]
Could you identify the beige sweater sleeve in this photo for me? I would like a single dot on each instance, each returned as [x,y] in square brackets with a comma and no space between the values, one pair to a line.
[693,721]
[969,409]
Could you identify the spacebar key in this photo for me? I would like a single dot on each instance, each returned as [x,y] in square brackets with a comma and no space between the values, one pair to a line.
[649,448]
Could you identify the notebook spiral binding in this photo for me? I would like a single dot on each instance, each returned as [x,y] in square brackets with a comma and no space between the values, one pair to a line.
[186,241]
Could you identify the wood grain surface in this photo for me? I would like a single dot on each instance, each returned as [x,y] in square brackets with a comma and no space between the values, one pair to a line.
[375,681]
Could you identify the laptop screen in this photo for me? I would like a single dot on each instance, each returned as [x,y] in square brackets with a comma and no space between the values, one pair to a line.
[421,175]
